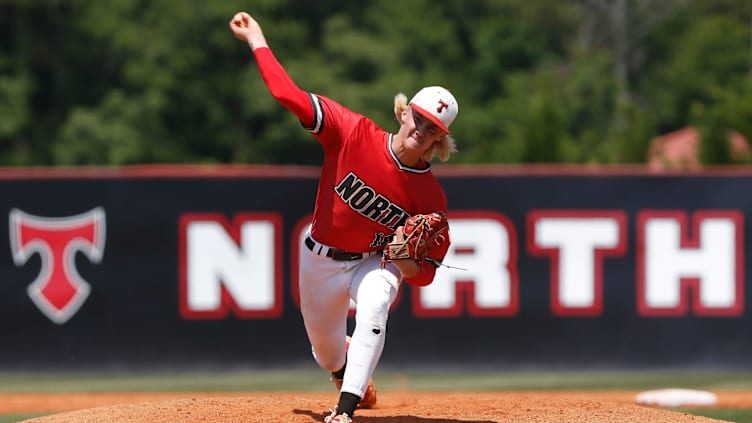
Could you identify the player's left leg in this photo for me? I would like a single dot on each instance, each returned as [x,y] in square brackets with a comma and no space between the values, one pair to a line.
[374,290]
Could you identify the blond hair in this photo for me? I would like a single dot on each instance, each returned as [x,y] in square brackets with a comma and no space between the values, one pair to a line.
[441,149]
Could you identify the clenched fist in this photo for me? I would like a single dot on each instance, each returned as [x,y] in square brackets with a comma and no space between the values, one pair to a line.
[245,28]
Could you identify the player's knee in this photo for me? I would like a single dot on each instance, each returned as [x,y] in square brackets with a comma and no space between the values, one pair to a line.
[330,365]
[378,287]
[328,362]
[373,305]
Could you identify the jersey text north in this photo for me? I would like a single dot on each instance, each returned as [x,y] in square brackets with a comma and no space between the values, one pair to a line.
[370,204]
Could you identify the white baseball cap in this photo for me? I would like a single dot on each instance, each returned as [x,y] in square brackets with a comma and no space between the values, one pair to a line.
[437,104]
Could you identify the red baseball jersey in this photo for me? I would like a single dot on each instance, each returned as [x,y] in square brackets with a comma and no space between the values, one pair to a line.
[364,192]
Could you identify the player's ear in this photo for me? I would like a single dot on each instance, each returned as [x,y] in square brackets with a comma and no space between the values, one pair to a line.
[404,115]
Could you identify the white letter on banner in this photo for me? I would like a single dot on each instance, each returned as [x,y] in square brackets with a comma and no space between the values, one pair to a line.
[577,244]
[214,261]
[484,248]
[670,263]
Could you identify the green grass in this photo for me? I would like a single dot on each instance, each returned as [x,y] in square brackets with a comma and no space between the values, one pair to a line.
[313,379]
[738,415]
[13,418]
[575,380]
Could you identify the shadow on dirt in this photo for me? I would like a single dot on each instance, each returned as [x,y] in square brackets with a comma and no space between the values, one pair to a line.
[318,417]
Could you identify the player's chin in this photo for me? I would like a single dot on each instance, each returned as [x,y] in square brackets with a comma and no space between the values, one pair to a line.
[417,143]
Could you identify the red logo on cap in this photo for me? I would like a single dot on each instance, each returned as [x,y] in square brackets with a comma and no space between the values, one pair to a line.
[442,106]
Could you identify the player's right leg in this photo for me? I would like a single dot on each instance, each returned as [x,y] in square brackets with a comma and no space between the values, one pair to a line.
[324,304]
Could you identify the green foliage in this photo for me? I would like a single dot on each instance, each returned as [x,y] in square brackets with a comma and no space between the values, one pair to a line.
[132,81]
[630,134]
[713,56]
[723,113]
[14,104]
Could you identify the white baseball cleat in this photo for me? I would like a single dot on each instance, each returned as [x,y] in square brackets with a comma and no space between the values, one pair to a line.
[337,418]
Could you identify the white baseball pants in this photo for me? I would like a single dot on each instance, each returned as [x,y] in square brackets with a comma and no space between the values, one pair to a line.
[326,288]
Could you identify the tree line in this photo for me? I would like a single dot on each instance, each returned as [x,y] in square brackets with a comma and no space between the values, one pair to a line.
[578,81]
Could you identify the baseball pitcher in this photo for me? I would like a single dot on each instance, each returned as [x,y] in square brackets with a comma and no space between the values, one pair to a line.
[379,218]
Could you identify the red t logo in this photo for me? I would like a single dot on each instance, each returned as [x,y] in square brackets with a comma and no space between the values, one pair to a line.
[59,291]
[442,106]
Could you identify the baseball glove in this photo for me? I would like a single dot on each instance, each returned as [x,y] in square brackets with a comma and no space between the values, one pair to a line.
[422,232]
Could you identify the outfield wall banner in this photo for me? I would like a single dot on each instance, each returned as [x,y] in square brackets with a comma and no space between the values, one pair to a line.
[197,266]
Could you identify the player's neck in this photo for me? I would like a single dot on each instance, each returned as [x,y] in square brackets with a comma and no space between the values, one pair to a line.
[406,156]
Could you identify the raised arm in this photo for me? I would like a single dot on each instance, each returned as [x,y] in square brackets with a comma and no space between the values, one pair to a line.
[280,85]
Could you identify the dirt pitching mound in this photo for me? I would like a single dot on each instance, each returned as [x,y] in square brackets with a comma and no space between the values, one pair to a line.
[424,407]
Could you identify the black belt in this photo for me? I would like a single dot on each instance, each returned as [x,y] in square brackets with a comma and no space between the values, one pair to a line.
[333,253]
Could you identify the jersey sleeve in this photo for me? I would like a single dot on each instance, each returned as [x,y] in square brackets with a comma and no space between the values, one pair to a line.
[430,264]
[324,118]
[283,89]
